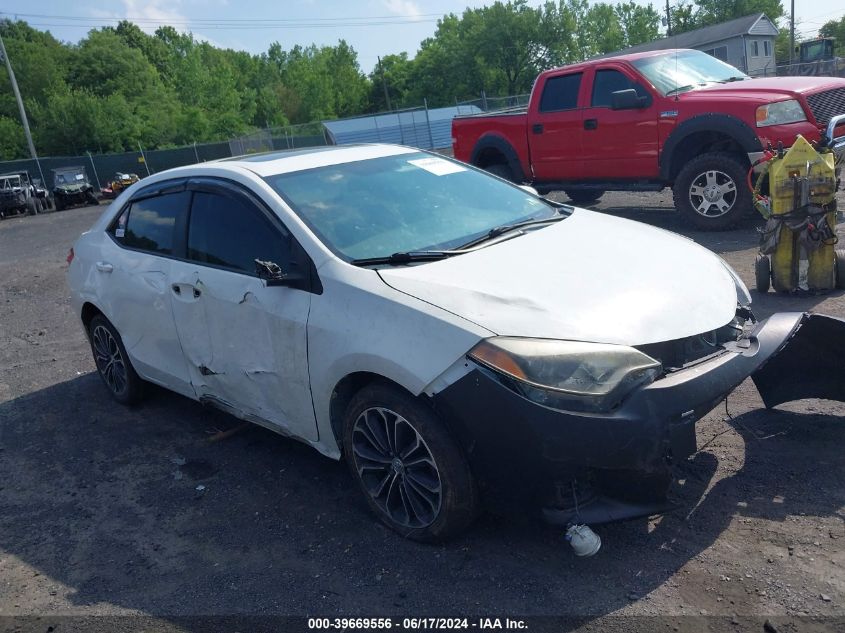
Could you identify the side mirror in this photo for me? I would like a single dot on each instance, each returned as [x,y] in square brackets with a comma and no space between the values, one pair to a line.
[273,275]
[627,100]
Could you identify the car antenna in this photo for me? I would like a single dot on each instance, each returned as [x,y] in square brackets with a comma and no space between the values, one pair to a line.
[677,96]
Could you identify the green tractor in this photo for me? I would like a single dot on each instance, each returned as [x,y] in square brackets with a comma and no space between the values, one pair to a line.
[71,187]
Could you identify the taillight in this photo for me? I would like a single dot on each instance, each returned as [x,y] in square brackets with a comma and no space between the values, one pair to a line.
[70,256]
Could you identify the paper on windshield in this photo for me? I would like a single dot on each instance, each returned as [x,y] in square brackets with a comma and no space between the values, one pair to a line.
[437,166]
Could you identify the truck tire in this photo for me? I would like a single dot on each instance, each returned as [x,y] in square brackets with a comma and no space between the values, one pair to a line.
[583,196]
[710,191]
[33,206]
[501,170]
[59,203]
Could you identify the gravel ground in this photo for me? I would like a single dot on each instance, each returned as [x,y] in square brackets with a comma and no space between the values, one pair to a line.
[100,511]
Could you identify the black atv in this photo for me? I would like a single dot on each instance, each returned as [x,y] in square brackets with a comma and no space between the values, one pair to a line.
[17,196]
[71,187]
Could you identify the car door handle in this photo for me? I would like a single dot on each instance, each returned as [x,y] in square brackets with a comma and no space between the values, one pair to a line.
[104,267]
[197,293]
[537,128]
[591,124]
[177,290]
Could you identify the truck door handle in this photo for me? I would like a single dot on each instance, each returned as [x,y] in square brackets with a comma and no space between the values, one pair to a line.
[537,128]
[176,289]
[104,267]
[591,124]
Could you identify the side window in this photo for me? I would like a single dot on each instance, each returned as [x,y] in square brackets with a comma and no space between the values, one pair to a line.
[149,224]
[560,93]
[230,231]
[607,82]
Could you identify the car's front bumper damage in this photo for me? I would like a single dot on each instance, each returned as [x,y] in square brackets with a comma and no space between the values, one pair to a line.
[618,465]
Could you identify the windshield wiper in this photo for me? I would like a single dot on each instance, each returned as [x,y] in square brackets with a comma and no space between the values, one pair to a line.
[496,231]
[680,89]
[407,257]
[732,79]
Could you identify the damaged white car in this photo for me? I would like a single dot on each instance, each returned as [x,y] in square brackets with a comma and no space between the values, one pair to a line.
[459,340]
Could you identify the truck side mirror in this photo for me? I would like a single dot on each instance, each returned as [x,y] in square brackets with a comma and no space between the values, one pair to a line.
[627,100]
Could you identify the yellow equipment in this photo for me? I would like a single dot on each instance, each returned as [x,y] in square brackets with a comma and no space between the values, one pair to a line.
[797,249]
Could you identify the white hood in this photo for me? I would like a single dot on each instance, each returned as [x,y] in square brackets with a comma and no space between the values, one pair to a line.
[591,277]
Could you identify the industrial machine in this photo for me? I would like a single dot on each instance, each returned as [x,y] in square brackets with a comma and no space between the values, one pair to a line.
[798,244]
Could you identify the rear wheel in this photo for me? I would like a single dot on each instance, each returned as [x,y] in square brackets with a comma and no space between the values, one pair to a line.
[763,273]
[710,191]
[583,196]
[412,473]
[91,199]
[33,206]
[113,363]
[501,170]
[60,203]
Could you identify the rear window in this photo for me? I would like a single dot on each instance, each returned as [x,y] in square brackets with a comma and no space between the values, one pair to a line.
[560,93]
[149,224]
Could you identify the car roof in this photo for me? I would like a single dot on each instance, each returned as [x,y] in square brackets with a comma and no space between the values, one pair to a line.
[274,163]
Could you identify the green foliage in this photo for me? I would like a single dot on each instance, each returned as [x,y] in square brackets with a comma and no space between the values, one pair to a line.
[688,15]
[120,86]
[835,29]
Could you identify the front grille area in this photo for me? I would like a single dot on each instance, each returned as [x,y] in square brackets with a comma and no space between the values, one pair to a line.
[825,105]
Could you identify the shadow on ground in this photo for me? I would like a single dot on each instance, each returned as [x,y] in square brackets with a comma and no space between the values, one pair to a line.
[103,502]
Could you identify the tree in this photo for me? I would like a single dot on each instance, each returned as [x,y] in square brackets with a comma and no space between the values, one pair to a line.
[835,29]
[688,16]
[394,72]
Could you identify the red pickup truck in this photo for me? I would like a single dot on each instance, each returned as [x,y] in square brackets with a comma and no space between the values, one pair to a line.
[645,121]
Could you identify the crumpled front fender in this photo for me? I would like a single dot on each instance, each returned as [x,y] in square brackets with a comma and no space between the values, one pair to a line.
[810,363]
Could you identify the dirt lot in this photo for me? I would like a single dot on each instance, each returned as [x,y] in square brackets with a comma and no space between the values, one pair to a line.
[100,511]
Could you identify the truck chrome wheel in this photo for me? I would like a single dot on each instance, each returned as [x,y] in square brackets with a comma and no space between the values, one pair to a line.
[396,468]
[712,194]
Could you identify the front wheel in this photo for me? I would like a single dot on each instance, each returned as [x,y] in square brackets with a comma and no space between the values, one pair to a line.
[411,471]
[710,191]
[583,196]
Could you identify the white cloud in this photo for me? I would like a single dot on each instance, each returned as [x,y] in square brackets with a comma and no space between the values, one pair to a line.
[407,8]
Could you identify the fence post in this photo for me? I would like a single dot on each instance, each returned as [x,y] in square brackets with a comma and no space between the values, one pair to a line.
[196,154]
[144,157]
[94,167]
[484,100]
[428,125]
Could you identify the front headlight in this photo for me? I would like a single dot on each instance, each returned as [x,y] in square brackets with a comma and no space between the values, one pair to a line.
[789,111]
[568,375]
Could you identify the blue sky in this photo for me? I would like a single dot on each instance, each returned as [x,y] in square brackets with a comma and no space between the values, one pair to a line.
[372,27]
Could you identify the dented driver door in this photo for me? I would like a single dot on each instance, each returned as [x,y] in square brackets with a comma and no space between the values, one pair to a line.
[244,342]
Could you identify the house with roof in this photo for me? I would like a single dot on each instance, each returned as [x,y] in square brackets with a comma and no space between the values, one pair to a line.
[748,43]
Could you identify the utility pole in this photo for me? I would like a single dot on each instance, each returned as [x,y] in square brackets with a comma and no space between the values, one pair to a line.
[384,84]
[19,100]
[791,31]
[668,20]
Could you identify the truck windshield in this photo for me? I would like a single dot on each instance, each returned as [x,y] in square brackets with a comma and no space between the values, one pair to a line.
[409,202]
[680,71]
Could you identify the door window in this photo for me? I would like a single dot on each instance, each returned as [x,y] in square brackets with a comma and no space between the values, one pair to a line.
[149,224]
[560,93]
[231,232]
[607,82]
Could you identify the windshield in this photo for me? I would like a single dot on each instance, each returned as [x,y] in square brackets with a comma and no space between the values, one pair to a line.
[685,70]
[405,203]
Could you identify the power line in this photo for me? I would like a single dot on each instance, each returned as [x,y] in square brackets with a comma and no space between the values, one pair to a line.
[234,21]
[206,27]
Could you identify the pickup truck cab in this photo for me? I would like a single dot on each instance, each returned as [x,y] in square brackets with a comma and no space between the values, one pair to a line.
[646,121]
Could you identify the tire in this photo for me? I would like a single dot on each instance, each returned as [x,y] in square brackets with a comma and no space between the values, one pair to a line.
[840,268]
[60,204]
[422,468]
[112,362]
[91,199]
[501,170]
[583,196]
[710,191]
[763,273]
[32,206]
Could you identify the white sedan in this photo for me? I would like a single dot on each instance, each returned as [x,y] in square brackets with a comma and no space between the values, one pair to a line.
[459,340]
